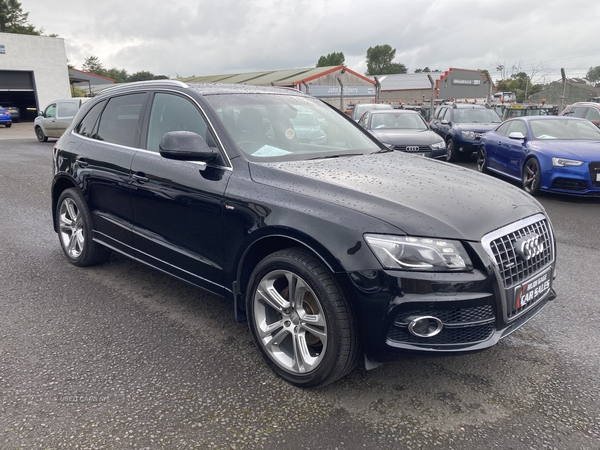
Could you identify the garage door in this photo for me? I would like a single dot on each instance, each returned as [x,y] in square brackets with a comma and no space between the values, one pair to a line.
[12,80]
[17,87]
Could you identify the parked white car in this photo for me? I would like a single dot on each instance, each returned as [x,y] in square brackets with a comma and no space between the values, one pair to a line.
[54,120]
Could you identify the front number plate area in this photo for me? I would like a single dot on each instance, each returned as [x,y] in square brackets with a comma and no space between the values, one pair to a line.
[533,290]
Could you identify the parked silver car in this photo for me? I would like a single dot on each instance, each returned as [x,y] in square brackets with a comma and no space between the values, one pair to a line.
[54,120]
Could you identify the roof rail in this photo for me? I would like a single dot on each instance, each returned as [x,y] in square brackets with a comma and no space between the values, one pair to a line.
[175,83]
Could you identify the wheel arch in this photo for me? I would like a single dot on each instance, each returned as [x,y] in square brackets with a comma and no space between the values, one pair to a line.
[60,185]
[275,240]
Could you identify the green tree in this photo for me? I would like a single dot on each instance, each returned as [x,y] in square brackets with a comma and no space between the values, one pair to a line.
[119,75]
[593,74]
[332,59]
[14,20]
[141,76]
[379,61]
[93,65]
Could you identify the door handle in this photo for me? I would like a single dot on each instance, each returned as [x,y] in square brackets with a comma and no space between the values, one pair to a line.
[139,177]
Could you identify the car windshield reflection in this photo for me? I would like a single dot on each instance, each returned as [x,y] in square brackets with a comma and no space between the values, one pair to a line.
[564,130]
[278,128]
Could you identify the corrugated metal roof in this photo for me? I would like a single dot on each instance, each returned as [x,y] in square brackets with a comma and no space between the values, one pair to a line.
[277,77]
[407,81]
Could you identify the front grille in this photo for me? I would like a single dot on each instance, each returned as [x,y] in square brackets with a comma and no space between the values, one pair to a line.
[462,326]
[412,148]
[513,268]
[568,184]
[594,171]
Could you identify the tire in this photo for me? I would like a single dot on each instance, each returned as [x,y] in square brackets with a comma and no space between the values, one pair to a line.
[309,344]
[451,154]
[482,162]
[8,125]
[74,225]
[532,176]
[40,135]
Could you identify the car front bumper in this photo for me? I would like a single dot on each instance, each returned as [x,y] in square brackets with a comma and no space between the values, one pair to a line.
[475,309]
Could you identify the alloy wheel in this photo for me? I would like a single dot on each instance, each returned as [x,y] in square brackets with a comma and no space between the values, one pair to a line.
[290,322]
[71,228]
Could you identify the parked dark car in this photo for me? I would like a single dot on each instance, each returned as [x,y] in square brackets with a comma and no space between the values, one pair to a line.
[550,153]
[361,108]
[403,130]
[584,110]
[335,252]
[13,110]
[5,118]
[461,125]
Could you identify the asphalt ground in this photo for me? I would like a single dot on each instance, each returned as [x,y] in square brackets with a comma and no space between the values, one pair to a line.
[120,356]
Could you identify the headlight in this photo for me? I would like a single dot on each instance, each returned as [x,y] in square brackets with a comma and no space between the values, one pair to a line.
[562,162]
[438,145]
[409,253]
[468,135]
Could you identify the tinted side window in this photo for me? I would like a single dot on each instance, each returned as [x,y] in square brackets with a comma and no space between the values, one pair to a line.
[66,109]
[592,114]
[579,111]
[121,122]
[174,113]
[440,113]
[518,126]
[86,126]
[503,129]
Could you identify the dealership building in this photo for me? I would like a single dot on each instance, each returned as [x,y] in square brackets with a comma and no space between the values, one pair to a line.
[336,85]
[33,71]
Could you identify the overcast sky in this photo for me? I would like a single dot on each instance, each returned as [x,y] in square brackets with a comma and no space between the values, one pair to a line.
[207,37]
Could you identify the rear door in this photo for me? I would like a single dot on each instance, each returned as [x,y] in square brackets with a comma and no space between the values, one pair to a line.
[65,111]
[177,205]
[110,134]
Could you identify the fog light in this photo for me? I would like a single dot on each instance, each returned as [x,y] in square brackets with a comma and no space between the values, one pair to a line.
[425,326]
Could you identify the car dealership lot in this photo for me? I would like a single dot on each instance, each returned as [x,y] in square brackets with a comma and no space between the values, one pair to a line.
[121,356]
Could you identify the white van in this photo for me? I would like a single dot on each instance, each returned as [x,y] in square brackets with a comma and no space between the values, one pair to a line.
[54,120]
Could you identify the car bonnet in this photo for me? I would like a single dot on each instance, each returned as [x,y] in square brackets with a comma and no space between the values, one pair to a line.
[419,196]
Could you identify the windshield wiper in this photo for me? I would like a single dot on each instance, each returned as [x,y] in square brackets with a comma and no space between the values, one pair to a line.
[335,156]
[383,150]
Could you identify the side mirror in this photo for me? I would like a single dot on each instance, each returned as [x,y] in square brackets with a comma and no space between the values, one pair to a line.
[186,146]
[516,135]
[41,113]
[444,122]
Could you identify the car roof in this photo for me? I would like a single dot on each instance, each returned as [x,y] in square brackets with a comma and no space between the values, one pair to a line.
[470,106]
[530,118]
[201,88]
[592,104]
[393,111]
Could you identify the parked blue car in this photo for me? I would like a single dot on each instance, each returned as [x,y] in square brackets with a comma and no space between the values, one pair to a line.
[5,118]
[545,153]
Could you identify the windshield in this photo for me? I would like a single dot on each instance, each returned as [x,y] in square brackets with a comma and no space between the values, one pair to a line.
[476,116]
[564,129]
[271,127]
[397,121]
[362,108]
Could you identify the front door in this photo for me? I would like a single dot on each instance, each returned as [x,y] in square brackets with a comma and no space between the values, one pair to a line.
[177,205]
